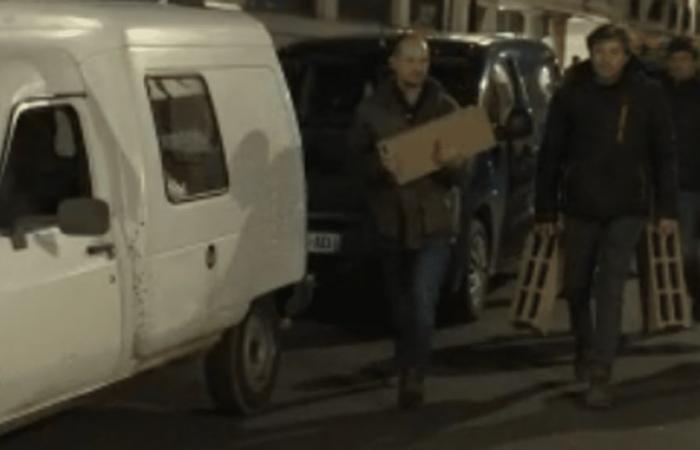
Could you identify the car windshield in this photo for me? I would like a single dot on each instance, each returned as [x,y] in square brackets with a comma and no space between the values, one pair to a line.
[328,87]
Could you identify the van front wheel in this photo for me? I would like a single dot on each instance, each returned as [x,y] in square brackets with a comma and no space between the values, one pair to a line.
[241,369]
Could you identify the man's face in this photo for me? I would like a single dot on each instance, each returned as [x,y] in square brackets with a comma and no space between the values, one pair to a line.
[681,66]
[609,59]
[410,63]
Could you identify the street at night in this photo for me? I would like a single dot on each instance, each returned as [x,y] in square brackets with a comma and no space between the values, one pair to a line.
[492,388]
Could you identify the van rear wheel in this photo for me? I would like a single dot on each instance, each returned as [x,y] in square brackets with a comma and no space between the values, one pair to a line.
[241,369]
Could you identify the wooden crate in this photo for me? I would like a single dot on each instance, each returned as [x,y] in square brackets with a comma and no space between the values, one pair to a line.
[539,282]
[665,302]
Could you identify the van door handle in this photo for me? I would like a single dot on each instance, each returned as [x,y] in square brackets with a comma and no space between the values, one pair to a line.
[210,256]
[98,249]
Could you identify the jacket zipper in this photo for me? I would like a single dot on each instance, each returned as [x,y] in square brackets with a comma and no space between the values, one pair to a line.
[622,121]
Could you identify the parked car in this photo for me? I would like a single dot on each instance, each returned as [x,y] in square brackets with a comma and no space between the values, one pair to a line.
[511,78]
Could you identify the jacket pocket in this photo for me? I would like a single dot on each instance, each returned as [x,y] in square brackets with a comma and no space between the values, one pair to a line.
[437,215]
[644,183]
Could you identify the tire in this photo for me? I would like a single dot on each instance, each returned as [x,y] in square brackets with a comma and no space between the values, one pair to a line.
[475,286]
[241,369]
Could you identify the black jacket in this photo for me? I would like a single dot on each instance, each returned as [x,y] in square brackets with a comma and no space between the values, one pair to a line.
[608,151]
[420,209]
[684,99]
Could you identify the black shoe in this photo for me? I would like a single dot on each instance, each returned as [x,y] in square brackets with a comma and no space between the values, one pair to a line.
[582,371]
[599,396]
[411,390]
[583,366]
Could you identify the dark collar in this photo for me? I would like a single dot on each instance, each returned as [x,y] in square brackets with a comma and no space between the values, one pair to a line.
[410,110]
[584,73]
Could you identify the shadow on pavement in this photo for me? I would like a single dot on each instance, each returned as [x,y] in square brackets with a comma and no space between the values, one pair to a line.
[143,428]
[497,355]
[662,399]
[665,398]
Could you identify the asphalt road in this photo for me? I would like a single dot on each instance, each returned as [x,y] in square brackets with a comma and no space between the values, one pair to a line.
[492,387]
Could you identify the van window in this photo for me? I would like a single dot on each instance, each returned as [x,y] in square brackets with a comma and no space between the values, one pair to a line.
[333,90]
[188,134]
[44,164]
[460,76]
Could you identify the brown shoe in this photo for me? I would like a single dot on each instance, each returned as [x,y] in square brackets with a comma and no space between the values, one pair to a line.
[599,396]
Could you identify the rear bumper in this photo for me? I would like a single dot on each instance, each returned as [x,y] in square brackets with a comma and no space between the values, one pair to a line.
[353,246]
[301,297]
[352,232]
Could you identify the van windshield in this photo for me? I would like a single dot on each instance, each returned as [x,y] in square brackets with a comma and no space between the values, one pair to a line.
[328,87]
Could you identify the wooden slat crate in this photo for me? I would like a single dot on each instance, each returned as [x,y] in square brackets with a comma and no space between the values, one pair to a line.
[538,284]
[666,304]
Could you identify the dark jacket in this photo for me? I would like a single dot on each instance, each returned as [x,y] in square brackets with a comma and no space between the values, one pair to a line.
[418,210]
[608,151]
[684,99]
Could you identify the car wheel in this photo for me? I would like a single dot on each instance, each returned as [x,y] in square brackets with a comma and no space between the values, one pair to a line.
[241,369]
[475,286]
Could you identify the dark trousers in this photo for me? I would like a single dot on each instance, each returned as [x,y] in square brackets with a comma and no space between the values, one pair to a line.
[598,257]
[690,242]
[412,281]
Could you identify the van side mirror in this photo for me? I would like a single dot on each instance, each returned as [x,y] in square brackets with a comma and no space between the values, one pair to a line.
[83,217]
[518,125]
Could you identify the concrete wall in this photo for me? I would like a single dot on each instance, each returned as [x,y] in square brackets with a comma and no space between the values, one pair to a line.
[567,24]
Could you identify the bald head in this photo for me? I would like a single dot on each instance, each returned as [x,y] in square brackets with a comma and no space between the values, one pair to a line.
[410,43]
[410,61]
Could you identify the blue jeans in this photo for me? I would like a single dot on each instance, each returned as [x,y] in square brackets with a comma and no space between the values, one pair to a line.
[690,242]
[412,282]
[598,256]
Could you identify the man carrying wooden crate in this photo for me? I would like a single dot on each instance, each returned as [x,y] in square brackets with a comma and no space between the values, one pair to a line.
[608,154]
[683,90]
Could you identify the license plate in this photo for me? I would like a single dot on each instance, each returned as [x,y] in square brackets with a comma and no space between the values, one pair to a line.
[324,243]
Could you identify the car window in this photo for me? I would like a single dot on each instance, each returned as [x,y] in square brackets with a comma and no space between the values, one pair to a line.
[327,89]
[499,96]
[188,134]
[46,165]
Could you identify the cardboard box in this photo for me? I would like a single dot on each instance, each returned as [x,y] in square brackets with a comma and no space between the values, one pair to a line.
[461,135]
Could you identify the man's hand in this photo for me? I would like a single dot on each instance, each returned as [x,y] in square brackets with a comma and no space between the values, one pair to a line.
[667,226]
[388,166]
[447,157]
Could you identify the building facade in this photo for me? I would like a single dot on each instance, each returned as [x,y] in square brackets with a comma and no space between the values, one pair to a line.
[562,23]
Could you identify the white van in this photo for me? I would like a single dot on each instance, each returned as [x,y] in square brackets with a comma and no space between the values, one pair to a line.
[151,199]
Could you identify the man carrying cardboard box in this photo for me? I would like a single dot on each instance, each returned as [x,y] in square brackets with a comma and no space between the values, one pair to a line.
[415,221]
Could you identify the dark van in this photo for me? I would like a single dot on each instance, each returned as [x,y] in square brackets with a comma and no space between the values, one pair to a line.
[512,78]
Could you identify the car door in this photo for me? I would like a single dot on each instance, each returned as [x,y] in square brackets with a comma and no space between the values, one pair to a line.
[60,305]
[515,158]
